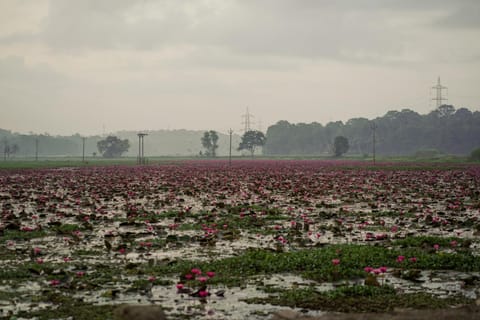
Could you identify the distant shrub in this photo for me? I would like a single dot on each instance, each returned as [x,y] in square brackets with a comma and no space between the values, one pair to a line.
[475,155]
[428,154]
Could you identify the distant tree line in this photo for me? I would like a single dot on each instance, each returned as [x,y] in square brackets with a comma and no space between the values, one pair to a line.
[158,143]
[397,133]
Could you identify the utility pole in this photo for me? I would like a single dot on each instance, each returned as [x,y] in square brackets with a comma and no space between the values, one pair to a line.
[374,129]
[83,149]
[438,96]
[230,152]
[36,149]
[5,149]
[141,153]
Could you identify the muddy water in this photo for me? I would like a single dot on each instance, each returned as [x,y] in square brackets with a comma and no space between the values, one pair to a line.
[333,216]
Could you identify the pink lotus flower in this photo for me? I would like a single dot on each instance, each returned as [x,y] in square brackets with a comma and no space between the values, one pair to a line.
[122,251]
[196,271]
[152,278]
[368,269]
[39,260]
[188,276]
[436,247]
[413,259]
[54,282]
[211,274]
[400,259]
[383,269]
[179,286]
[453,243]
[67,259]
[202,279]
[80,274]
[335,262]
[203,293]
[380,236]
[37,250]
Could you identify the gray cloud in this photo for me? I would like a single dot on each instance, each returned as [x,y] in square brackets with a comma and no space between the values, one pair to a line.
[467,17]
[209,59]
[355,30]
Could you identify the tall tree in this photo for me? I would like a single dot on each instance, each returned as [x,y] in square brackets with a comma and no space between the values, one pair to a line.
[14,149]
[209,142]
[340,146]
[113,147]
[251,140]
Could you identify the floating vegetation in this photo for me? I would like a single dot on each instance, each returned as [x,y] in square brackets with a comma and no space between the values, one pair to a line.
[317,235]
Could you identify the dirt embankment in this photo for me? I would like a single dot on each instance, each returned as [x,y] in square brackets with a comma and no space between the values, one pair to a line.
[464,313]
[471,312]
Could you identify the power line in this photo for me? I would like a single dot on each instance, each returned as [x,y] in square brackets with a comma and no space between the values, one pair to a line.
[247,121]
[438,95]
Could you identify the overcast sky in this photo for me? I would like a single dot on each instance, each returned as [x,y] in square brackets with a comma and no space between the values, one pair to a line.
[78,66]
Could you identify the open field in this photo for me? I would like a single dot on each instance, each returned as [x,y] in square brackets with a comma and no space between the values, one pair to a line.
[58,162]
[205,240]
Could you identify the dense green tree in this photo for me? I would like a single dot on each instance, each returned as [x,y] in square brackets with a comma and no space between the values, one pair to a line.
[209,142]
[340,146]
[251,140]
[401,132]
[113,147]
[475,155]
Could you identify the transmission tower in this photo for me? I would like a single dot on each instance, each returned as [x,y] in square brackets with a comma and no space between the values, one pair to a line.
[438,96]
[247,121]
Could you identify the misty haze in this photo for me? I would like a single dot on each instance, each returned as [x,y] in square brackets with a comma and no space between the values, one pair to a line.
[239,159]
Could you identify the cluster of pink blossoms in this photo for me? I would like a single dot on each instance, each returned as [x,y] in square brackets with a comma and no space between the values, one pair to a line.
[375,271]
[196,274]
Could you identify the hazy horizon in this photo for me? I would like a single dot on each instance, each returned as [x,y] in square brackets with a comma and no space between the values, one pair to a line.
[87,67]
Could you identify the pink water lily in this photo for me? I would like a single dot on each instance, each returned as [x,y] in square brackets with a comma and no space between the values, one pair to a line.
[203,293]
[211,274]
[54,282]
[196,271]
